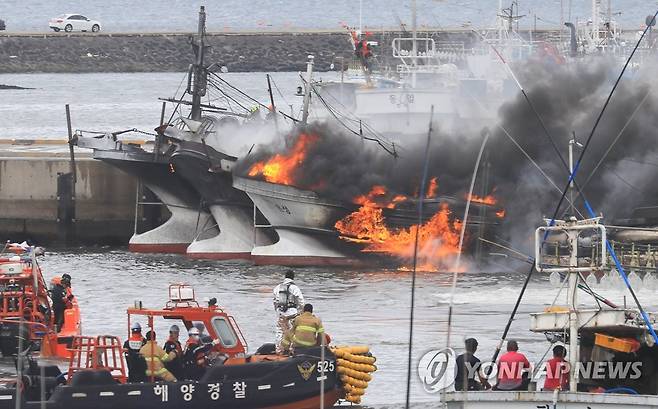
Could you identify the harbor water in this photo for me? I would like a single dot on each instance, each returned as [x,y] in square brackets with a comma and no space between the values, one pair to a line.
[114,101]
[357,306]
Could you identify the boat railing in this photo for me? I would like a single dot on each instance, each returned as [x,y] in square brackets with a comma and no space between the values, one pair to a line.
[103,352]
[403,48]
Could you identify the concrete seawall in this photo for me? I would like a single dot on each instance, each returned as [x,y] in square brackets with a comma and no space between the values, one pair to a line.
[105,200]
[155,52]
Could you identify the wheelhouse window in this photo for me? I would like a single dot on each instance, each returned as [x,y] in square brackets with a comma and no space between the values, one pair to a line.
[227,336]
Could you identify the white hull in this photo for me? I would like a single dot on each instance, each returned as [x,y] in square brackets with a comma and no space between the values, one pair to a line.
[303,221]
[297,248]
[236,239]
[174,235]
[548,400]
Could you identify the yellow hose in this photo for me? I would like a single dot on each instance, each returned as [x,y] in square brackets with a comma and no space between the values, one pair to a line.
[354,374]
[360,359]
[354,364]
[354,391]
[356,350]
[357,367]
[353,399]
[357,383]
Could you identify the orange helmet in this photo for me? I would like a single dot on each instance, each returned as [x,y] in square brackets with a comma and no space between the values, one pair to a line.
[56,280]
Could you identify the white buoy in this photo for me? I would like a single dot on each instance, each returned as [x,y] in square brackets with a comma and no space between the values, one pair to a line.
[555,279]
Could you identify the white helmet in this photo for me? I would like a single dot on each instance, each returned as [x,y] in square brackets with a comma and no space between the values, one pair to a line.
[135,327]
[194,331]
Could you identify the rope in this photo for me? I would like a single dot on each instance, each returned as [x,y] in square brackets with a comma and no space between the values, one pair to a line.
[461,236]
[390,150]
[588,208]
[423,181]
[527,155]
[619,135]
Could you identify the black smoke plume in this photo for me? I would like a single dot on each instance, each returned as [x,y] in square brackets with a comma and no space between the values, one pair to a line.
[568,98]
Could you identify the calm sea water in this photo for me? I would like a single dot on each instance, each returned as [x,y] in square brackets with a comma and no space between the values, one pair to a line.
[181,15]
[368,306]
[113,101]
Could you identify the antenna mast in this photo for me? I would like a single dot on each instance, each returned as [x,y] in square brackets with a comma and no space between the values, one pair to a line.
[197,71]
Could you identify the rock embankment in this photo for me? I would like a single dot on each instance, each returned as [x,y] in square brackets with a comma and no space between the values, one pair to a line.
[86,52]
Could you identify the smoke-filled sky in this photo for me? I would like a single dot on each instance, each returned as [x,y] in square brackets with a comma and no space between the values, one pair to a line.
[568,98]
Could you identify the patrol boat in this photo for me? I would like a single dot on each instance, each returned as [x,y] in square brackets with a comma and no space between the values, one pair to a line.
[27,321]
[233,379]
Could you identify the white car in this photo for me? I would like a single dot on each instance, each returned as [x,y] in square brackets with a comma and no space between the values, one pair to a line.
[74,22]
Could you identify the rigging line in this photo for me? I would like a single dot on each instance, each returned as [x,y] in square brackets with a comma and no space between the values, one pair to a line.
[383,144]
[588,208]
[177,106]
[379,142]
[218,88]
[333,110]
[413,274]
[641,162]
[527,155]
[224,90]
[461,235]
[354,118]
[619,135]
[249,97]
[279,91]
[624,181]
[536,112]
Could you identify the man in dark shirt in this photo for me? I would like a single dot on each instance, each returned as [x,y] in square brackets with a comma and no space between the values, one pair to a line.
[468,375]
[58,294]
[175,366]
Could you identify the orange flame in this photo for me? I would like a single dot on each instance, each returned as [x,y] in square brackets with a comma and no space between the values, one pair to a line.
[500,214]
[281,167]
[377,197]
[488,200]
[432,189]
[438,237]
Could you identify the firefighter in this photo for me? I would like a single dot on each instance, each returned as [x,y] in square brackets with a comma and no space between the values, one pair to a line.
[175,366]
[196,351]
[68,292]
[288,300]
[155,359]
[136,363]
[307,330]
[58,295]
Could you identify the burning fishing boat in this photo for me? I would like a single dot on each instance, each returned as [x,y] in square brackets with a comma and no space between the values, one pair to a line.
[189,169]
[205,157]
[317,227]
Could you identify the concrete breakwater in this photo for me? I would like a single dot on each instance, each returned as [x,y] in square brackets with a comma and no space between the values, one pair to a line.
[33,204]
[157,52]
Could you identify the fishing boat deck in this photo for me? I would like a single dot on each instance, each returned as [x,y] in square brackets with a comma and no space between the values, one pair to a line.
[618,320]
[510,400]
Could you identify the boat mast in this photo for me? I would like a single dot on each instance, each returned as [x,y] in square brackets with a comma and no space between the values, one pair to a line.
[595,22]
[572,302]
[414,36]
[198,70]
[307,90]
